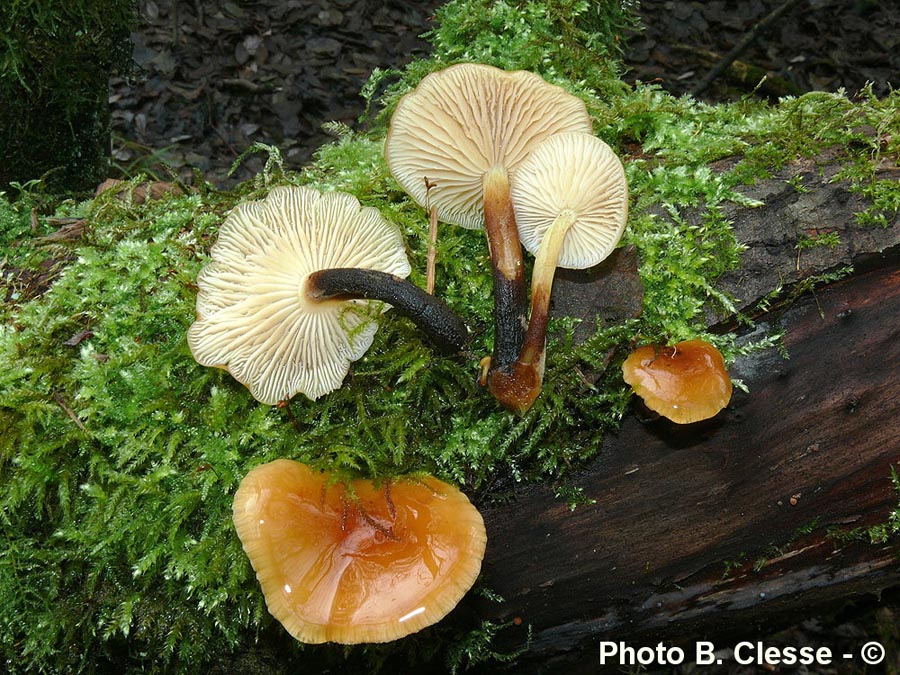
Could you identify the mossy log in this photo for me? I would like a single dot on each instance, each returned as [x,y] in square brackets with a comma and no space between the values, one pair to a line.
[774,506]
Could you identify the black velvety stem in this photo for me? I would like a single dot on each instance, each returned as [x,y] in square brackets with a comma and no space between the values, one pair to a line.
[510,301]
[444,328]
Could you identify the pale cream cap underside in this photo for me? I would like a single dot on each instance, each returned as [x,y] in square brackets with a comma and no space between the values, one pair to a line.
[252,316]
[579,173]
[461,121]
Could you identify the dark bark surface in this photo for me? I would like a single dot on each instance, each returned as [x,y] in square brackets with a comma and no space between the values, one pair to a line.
[712,526]
[804,200]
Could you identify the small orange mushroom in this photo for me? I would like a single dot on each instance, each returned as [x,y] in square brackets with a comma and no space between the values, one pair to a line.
[686,383]
[356,563]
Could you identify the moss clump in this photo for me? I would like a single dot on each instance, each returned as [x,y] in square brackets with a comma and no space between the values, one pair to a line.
[573,43]
[119,455]
[55,63]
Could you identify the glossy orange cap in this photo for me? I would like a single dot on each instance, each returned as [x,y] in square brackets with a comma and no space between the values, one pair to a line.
[357,564]
[686,383]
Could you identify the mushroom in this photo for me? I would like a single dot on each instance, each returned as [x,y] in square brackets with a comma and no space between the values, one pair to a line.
[686,383]
[285,303]
[466,129]
[356,563]
[571,205]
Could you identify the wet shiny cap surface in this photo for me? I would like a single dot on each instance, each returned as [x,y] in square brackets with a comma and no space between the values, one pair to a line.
[686,382]
[359,562]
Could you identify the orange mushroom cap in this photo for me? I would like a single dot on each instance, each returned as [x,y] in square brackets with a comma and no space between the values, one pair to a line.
[364,564]
[686,383]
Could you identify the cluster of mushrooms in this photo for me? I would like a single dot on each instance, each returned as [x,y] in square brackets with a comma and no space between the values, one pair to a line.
[291,297]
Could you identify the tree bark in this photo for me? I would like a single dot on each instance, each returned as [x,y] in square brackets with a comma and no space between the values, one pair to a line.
[702,528]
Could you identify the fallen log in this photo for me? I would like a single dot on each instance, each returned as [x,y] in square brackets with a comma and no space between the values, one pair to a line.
[777,504]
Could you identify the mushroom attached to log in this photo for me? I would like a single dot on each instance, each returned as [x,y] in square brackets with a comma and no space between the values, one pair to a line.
[685,383]
[571,205]
[286,302]
[466,129]
[359,563]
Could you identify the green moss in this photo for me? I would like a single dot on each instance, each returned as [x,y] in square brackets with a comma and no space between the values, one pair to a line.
[477,648]
[574,43]
[119,455]
[825,239]
[734,565]
[877,534]
[16,245]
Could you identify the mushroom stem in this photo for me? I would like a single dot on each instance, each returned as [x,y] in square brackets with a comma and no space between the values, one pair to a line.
[518,389]
[508,269]
[444,328]
[541,287]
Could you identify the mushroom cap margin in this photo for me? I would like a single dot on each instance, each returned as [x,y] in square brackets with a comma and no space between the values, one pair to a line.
[687,382]
[580,173]
[461,121]
[252,317]
[290,522]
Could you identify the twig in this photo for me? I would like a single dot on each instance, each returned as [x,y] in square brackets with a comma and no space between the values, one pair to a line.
[388,532]
[432,239]
[286,406]
[243,84]
[61,402]
[432,249]
[71,229]
[387,498]
[742,45]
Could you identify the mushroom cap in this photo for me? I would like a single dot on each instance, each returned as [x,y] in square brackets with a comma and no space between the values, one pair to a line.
[462,121]
[253,317]
[573,172]
[686,383]
[371,568]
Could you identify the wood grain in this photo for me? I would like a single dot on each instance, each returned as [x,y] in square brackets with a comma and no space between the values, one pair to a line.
[699,529]
[811,446]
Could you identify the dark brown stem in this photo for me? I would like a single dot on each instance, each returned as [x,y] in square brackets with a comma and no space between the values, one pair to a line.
[517,387]
[444,328]
[510,298]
